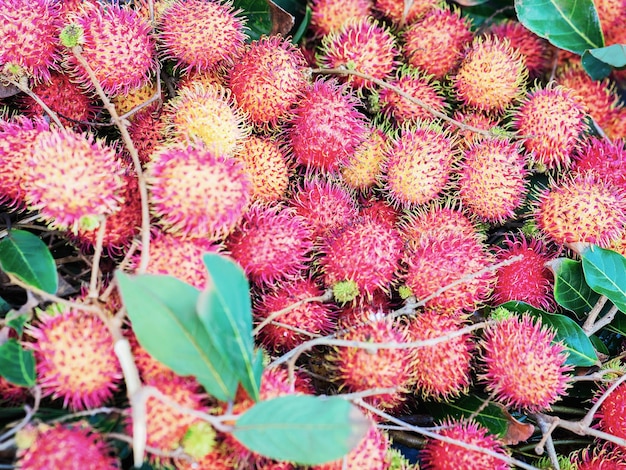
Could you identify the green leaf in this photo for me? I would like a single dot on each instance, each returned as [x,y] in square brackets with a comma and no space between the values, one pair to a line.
[28,258]
[491,416]
[599,345]
[570,289]
[259,20]
[580,350]
[162,310]
[224,309]
[17,322]
[4,307]
[595,68]
[303,429]
[16,364]
[605,272]
[614,55]
[570,25]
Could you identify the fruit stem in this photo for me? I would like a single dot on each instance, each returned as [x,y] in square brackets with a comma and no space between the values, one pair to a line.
[23,87]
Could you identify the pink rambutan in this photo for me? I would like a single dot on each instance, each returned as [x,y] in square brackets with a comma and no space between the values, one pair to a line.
[72,446]
[366,252]
[201,34]
[363,310]
[529,279]
[217,459]
[329,16]
[551,120]
[117,44]
[362,170]
[11,394]
[492,75]
[423,153]
[72,179]
[149,368]
[327,126]
[582,208]
[599,458]
[29,32]
[612,413]
[400,15]
[313,317]
[196,193]
[440,455]
[363,45]
[474,118]
[535,50]
[492,180]
[75,358]
[604,158]
[146,131]
[272,242]
[267,80]
[435,43]
[522,365]
[380,210]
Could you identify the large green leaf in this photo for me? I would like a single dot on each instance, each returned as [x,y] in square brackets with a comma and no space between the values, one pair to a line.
[16,364]
[490,416]
[28,258]
[595,68]
[570,25]
[162,310]
[224,309]
[303,429]
[605,272]
[614,55]
[570,289]
[580,350]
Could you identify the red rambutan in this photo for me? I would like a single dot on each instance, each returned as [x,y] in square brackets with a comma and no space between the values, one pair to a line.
[11,394]
[397,12]
[363,310]
[362,170]
[380,210]
[329,16]
[535,50]
[602,458]
[604,158]
[612,413]
[146,131]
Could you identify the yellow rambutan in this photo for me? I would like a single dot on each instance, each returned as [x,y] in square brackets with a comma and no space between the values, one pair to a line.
[363,169]
[534,49]
[328,16]
[125,102]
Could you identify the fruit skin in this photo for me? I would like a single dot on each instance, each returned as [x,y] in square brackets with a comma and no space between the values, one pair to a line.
[393,10]
[440,455]
[605,158]
[612,413]
[522,365]
[598,458]
[328,16]
[146,131]
[535,50]
[362,170]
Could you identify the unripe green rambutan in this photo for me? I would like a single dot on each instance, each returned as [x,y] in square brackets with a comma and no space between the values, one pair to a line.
[435,43]
[396,10]
[117,44]
[418,166]
[363,45]
[72,446]
[492,75]
[582,208]
[534,49]
[268,79]
[492,179]
[439,455]
[362,170]
[272,242]
[329,16]
[551,120]
[327,126]
[75,358]
[522,365]
[201,34]
[196,193]
[604,158]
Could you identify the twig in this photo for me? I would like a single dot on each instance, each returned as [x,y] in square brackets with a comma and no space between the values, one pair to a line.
[27,220]
[593,314]
[605,320]
[547,426]
[92,412]
[174,454]
[23,87]
[586,421]
[95,269]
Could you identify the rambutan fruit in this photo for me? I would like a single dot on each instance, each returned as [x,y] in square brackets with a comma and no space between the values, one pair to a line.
[362,170]
[474,118]
[201,35]
[492,180]
[328,16]
[582,208]
[267,80]
[612,412]
[29,32]
[146,131]
[196,193]
[326,126]
[366,252]
[272,242]
[217,459]
[364,45]
[413,82]
[598,458]
[358,369]
[313,317]
[492,75]
[117,44]
[75,358]
[551,119]
[207,114]
[440,455]
[72,446]
[397,12]
[11,394]
[604,158]
[423,154]
[72,179]
[438,261]
[363,310]
[441,371]
[535,50]
[435,43]
[125,102]
[522,365]
[380,210]
[268,166]
[529,279]
[325,204]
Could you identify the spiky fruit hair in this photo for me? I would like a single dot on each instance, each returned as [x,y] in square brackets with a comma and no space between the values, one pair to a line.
[146,131]
[201,35]
[440,455]
[536,50]
[598,458]
[328,16]
[522,365]
[395,10]
[268,79]
[604,158]
[73,445]
[612,413]
[362,170]
[475,118]
[582,208]
[117,44]
[72,179]
[435,42]
[134,97]
[364,45]
[196,193]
